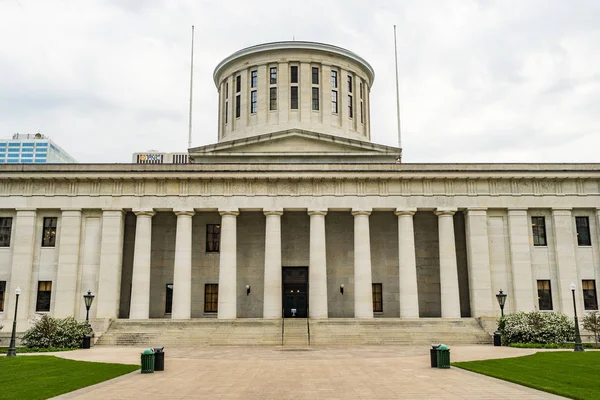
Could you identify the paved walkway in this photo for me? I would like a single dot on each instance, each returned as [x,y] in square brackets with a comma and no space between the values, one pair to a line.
[345,373]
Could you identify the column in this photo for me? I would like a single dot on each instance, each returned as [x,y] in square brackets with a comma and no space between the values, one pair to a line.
[317,270]
[272,303]
[140,285]
[566,263]
[111,263]
[228,265]
[448,268]
[22,262]
[520,255]
[363,283]
[68,261]
[409,293]
[182,270]
[478,261]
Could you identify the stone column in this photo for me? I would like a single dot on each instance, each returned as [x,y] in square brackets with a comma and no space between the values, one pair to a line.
[317,270]
[68,261]
[448,268]
[111,263]
[478,260]
[22,263]
[228,265]
[520,255]
[182,270]
[363,282]
[566,262]
[140,285]
[272,303]
[409,293]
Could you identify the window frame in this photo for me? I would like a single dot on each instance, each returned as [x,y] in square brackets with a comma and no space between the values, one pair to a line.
[590,295]
[293,74]
[334,79]
[211,292]
[2,294]
[48,234]
[544,291]
[350,83]
[41,296]
[273,76]
[253,102]
[213,238]
[273,98]
[5,231]
[377,292]
[169,298]
[254,79]
[582,227]
[238,84]
[350,106]
[334,102]
[315,75]
[294,97]
[315,99]
[538,231]
[238,106]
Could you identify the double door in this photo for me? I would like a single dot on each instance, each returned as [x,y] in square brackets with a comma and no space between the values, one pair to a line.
[295,292]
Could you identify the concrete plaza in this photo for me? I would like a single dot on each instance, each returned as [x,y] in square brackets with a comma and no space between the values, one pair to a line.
[345,373]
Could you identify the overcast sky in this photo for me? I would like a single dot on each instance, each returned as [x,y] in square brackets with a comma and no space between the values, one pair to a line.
[480,81]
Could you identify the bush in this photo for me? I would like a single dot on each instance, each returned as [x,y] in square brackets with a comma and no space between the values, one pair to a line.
[56,332]
[536,327]
[591,322]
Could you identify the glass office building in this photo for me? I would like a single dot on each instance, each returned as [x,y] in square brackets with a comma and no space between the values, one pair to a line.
[32,148]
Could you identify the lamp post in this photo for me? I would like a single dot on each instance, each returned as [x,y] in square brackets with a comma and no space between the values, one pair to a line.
[501,297]
[578,347]
[12,350]
[88,298]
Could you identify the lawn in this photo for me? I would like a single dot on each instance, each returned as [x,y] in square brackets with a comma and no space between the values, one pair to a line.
[41,377]
[565,373]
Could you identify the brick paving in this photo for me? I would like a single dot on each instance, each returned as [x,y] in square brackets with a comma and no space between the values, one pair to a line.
[348,373]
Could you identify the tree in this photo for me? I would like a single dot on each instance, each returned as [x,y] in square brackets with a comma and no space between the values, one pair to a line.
[591,322]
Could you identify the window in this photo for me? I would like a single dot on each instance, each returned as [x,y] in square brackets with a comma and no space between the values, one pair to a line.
[334,102]
[2,291]
[253,102]
[169,299]
[238,83]
[294,97]
[213,237]
[49,232]
[294,74]
[590,301]
[583,231]
[361,90]
[349,84]
[273,76]
[226,90]
[273,98]
[43,296]
[5,231]
[254,79]
[315,99]
[315,76]
[544,295]
[226,111]
[538,224]
[350,107]
[377,297]
[211,298]
[361,113]
[237,106]
[334,79]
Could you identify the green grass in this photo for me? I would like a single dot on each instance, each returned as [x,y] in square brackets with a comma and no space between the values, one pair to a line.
[42,377]
[4,350]
[551,345]
[565,373]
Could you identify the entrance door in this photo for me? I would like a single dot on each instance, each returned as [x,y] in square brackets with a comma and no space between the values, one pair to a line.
[295,292]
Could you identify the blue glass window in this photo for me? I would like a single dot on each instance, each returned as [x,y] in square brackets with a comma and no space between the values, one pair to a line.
[11,150]
[38,150]
[14,145]
[27,149]
[2,144]
[42,145]
[13,161]
[37,160]
[28,160]
[10,155]
[26,155]
[28,144]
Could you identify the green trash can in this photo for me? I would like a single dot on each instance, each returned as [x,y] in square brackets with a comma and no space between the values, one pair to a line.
[443,356]
[147,361]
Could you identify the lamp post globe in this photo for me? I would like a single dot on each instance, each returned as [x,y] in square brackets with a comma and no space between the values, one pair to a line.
[501,297]
[12,350]
[578,346]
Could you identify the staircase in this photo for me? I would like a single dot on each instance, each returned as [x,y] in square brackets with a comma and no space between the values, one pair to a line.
[264,332]
[295,332]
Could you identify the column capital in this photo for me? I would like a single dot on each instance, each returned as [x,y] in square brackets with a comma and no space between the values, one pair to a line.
[184,213]
[356,212]
[144,212]
[410,211]
[278,212]
[445,211]
[317,212]
[229,213]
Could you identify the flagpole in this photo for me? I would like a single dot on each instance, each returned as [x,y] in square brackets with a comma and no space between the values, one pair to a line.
[397,91]
[191,89]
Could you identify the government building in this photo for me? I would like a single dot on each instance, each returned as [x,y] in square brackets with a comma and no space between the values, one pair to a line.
[295,213]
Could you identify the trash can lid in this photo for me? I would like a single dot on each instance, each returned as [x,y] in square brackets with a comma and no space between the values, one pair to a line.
[435,346]
[159,349]
[443,347]
[148,351]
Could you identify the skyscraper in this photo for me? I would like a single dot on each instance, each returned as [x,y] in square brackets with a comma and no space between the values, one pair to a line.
[32,148]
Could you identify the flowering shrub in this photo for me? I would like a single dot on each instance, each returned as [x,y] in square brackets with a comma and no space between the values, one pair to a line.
[591,322]
[536,327]
[56,332]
